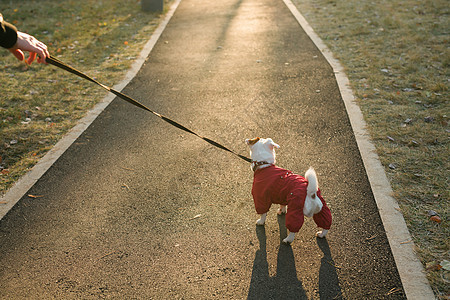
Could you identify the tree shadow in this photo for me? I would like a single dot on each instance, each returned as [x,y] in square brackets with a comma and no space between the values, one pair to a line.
[285,284]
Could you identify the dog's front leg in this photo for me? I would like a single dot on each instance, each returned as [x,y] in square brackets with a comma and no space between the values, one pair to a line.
[290,238]
[262,220]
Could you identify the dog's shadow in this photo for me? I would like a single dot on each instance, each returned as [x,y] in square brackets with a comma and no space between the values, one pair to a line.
[285,284]
[328,279]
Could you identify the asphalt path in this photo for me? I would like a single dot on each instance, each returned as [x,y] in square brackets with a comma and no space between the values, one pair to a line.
[136,208]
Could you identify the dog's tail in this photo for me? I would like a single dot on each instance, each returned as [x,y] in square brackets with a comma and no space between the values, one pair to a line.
[312,203]
[313,184]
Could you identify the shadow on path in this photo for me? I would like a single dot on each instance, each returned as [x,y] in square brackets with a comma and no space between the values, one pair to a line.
[285,284]
[328,279]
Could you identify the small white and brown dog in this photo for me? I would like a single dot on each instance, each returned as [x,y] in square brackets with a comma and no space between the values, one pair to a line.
[297,196]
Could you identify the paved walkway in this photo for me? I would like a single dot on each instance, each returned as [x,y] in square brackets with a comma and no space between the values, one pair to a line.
[137,208]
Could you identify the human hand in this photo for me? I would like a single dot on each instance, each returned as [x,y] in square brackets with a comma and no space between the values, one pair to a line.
[26,42]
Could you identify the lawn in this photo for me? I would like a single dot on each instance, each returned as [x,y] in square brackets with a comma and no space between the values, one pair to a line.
[396,55]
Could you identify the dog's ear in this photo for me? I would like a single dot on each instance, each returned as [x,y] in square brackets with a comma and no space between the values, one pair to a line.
[273,143]
[251,142]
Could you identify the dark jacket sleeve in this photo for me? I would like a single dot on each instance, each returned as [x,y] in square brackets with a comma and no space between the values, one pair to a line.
[8,34]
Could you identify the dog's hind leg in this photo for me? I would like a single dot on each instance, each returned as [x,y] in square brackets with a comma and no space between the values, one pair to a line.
[261,220]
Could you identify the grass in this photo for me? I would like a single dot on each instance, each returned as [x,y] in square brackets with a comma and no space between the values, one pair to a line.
[38,103]
[396,55]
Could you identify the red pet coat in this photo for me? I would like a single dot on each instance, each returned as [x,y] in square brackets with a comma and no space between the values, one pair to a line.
[276,185]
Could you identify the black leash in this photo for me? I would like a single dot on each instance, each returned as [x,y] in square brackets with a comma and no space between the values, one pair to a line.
[54,61]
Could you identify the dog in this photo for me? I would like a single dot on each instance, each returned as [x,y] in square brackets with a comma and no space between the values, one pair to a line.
[297,196]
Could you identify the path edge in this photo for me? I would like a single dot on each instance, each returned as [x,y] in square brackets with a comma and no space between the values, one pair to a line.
[410,268]
[21,187]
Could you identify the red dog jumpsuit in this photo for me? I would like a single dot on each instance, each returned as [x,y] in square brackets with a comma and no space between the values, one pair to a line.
[276,185]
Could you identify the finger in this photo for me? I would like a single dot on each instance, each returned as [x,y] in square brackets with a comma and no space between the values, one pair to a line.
[46,54]
[31,58]
[42,53]
[18,54]
[41,59]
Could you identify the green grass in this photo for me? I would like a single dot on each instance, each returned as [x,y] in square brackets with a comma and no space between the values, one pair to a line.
[397,59]
[101,38]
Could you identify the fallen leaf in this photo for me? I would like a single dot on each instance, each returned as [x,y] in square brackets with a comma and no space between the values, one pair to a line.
[128,169]
[445,265]
[196,217]
[407,242]
[433,266]
[334,265]
[35,196]
[414,143]
[436,219]
[394,290]
[372,237]
[108,254]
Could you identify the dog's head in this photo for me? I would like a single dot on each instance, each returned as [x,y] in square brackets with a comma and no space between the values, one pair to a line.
[262,150]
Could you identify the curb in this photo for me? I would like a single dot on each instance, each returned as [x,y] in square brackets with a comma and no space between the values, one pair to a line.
[411,271]
[18,190]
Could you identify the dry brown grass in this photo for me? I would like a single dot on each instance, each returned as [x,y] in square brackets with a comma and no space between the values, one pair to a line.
[396,56]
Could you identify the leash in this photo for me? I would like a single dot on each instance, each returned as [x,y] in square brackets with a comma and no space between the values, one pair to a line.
[54,61]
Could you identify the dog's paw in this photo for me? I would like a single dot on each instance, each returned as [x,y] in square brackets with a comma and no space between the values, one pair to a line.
[321,234]
[289,239]
[260,222]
